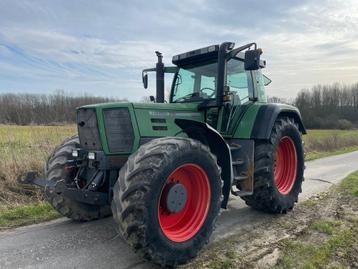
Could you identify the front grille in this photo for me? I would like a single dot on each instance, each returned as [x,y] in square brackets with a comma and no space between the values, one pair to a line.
[119,129]
[88,129]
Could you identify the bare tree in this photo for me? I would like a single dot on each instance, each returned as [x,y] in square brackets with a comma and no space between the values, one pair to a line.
[329,106]
[43,109]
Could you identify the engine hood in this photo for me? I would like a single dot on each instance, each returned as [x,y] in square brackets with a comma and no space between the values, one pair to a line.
[148,120]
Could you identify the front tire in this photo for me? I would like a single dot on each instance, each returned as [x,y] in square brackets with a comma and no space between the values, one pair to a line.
[168,232]
[56,170]
[279,167]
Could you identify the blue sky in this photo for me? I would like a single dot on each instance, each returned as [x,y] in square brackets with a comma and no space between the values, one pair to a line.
[100,47]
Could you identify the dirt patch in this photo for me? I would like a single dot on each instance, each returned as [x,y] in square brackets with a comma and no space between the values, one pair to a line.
[319,233]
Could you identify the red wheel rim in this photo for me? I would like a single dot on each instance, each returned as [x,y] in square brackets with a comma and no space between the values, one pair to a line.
[184,225]
[285,165]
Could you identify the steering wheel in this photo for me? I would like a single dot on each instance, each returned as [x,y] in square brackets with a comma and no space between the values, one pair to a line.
[210,89]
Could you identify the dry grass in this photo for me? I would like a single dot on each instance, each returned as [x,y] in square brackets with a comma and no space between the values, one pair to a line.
[24,148]
[320,143]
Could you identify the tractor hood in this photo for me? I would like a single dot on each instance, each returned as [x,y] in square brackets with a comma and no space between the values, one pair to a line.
[156,119]
[121,124]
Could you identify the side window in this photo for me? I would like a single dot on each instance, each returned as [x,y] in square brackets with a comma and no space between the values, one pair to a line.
[238,80]
[260,82]
[184,84]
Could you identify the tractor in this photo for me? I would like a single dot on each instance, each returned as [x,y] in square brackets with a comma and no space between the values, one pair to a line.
[165,169]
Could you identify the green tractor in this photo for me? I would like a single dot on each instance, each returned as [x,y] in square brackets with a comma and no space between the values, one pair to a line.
[165,169]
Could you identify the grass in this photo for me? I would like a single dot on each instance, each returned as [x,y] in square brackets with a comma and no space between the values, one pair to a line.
[24,148]
[350,185]
[325,226]
[26,214]
[337,236]
[300,254]
[323,143]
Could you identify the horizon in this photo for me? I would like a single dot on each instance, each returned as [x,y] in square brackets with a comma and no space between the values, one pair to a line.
[100,48]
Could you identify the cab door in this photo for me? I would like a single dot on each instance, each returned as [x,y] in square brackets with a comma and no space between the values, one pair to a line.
[239,96]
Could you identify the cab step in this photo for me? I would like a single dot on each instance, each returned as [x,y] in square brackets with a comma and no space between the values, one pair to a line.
[234,146]
[240,178]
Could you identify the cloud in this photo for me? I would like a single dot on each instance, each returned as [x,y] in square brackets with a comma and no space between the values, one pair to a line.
[101,46]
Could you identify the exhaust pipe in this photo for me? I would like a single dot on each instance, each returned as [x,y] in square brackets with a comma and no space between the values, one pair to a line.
[160,78]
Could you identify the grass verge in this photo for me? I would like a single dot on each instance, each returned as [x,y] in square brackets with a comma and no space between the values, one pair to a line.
[312,155]
[26,214]
[330,240]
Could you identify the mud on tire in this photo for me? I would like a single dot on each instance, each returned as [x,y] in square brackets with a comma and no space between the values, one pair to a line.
[271,192]
[138,191]
[55,171]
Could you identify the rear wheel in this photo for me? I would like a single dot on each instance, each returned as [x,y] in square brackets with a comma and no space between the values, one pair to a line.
[56,169]
[279,166]
[167,198]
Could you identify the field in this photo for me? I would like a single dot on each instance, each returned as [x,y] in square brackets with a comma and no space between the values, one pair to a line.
[24,148]
[322,143]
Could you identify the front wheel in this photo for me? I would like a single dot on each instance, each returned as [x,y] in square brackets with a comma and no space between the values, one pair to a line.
[279,166]
[167,198]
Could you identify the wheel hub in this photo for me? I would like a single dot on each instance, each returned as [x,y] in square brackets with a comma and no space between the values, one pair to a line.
[176,196]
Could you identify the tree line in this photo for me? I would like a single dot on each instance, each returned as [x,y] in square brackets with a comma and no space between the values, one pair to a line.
[58,108]
[322,107]
[332,106]
[329,106]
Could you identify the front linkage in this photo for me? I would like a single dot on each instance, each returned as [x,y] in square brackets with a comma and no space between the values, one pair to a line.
[76,190]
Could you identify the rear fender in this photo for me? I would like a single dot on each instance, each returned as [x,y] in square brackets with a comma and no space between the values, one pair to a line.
[267,115]
[212,138]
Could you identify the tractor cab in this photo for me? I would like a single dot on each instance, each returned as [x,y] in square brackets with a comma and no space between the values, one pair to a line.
[220,79]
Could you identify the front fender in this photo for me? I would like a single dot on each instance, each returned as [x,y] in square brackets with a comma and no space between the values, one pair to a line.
[212,138]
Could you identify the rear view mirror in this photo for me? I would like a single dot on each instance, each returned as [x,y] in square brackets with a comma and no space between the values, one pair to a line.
[145,80]
[252,59]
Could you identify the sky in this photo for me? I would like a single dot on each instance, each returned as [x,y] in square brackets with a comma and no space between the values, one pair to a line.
[100,47]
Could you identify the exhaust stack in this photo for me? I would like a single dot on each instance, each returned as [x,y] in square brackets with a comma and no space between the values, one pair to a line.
[159,78]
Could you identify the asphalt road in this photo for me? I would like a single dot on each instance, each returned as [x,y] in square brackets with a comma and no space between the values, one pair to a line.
[66,244]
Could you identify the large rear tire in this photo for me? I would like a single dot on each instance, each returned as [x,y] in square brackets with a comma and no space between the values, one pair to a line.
[279,167]
[167,199]
[56,170]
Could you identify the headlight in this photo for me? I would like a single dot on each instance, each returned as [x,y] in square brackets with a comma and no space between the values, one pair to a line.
[91,155]
[75,153]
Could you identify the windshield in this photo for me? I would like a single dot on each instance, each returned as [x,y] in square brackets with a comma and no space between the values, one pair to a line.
[195,84]
[199,83]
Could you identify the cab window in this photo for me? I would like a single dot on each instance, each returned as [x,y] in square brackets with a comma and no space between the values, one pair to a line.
[195,84]
[238,80]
